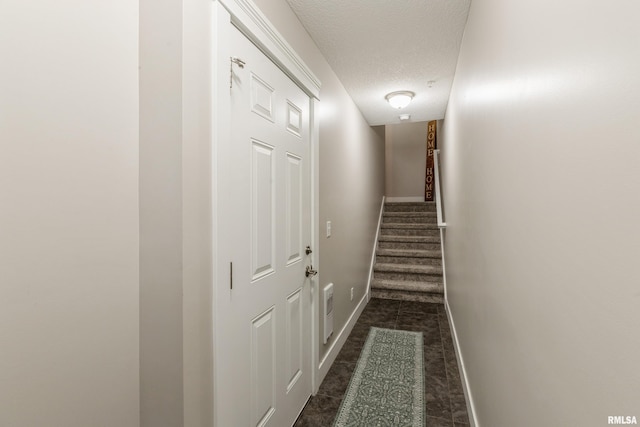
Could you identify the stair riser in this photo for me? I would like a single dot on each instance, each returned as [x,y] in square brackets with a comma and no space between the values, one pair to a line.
[413,277]
[430,246]
[410,219]
[409,232]
[410,208]
[383,259]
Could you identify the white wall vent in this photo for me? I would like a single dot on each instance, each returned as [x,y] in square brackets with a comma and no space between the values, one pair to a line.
[327,296]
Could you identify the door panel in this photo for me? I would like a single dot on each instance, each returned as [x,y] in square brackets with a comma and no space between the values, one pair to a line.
[294,338]
[261,97]
[263,368]
[262,207]
[294,208]
[263,307]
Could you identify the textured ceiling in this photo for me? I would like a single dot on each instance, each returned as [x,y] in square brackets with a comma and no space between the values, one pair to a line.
[381,46]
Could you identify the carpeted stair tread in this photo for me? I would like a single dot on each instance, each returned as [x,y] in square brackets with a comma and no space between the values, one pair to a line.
[409,229]
[409,239]
[398,238]
[410,218]
[408,268]
[407,295]
[427,217]
[428,214]
[409,225]
[410,207]
[412,204]
[413,253]
[405,285]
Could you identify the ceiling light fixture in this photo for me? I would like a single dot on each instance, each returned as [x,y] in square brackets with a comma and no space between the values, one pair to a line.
[399,99]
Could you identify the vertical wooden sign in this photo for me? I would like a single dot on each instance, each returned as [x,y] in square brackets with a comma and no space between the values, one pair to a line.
[431,145]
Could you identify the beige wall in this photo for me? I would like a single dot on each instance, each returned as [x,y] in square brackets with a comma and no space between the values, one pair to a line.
[161,234]
[76,186]
[69,214]
[351,174]
[405,159]
[175,214]
[541,190]
[196,215]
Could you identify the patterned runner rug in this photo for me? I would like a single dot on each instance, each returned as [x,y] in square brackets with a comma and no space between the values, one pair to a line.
[387,386]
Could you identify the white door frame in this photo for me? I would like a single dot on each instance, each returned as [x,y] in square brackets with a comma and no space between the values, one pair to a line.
[246,16]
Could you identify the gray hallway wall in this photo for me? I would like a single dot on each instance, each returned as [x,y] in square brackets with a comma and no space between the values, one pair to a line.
[405,159]
[541,182]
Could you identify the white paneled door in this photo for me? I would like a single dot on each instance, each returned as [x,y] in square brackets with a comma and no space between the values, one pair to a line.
[263,343]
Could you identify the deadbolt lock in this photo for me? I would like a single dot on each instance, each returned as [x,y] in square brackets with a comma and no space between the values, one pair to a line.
[310,271]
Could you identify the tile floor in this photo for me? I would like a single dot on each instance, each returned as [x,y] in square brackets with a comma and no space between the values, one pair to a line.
[445,403]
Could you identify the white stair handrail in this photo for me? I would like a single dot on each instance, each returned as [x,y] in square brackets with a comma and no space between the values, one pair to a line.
[436,158]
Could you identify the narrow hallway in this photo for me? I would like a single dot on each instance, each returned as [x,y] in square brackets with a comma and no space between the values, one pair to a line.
[444,397]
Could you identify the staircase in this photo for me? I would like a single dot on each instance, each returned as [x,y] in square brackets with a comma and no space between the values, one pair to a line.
[409,258]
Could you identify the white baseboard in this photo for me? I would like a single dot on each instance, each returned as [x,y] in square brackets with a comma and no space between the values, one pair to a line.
[406,199]
[444,266]
[337,344]
[373,254]
[471,409]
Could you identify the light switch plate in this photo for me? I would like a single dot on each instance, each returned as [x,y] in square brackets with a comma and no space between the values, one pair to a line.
[328,228]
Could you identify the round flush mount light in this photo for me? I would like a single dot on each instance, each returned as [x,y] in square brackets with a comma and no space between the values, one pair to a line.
[400,99]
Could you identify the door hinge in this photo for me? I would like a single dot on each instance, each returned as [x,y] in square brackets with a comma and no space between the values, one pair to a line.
[240,63]
[230,275]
